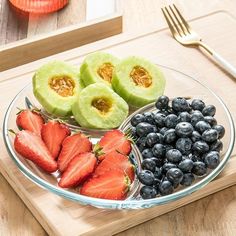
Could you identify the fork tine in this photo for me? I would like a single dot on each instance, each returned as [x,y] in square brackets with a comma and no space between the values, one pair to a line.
[172,21]
[172,29]
[183,20]
[179,22]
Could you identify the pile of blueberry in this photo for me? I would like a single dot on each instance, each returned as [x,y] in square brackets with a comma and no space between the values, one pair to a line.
[178,141]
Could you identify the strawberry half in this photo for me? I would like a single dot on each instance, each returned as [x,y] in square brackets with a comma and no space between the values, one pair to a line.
[53,133]
[71,147]
[113,141]
[30,120]
[114,161]
[78,170]
[112,185]
[32,147]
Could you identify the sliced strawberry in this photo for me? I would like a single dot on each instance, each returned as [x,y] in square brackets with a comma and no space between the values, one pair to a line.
[79,168]
[113,185]
[32,147]
[53,133]
[71,147]
[114,140]
[114,161]
[30,120]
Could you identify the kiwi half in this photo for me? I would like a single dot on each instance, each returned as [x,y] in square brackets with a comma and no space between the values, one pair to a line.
[98,106]
[56,86]
[138,81]
[98,67]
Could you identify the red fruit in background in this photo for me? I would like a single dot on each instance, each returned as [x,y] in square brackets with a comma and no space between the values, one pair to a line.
[113,141]
[112,185]
[30,120]
[53,133]
[79,168]
[71,147]
[114,161]
[32,147]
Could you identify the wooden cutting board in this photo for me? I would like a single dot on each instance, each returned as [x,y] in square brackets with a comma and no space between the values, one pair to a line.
[62,217]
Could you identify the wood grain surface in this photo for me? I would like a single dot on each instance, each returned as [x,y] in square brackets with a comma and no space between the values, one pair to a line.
[213,215]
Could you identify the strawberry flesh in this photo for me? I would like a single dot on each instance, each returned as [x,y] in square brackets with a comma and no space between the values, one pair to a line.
[32,147]
[53,133]
[71,147]
[30,120]
[114,140]
[114,161]
[112,185]
[79,168]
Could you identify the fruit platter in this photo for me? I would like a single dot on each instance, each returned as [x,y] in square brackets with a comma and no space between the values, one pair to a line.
[118,133]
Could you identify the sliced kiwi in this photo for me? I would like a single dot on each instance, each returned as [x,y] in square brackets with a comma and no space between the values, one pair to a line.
[98,67]
[56,86]
[138,81]
[98,106]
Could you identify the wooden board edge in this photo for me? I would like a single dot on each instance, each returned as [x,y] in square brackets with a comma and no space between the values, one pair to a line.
[20,52]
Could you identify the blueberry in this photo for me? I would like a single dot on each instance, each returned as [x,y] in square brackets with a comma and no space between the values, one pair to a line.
[158,173]
[156,184]
[174,156]
[168,147]
[144,128]
[216,146]
[166,187]
[184,117]
[158,161]
[202,126]
[209,110]
[195,157]
[184,145]
[184,129]
[187,180]
[153,138]
[200,147]
[197,104]
[167,166]
[141,143]
[199,168]
[149,117]
[195,117]
[147,153]
[171,121]
[162,102]
[180,104]
[196,136]
[146,177]
[136,119]
[149,164]
[210,135]
[159,119]
[212,159]
[170,136]
[186,165]
[220,129]
[148,192]
[163,130]
[174,175]
[210,120]
[159,150]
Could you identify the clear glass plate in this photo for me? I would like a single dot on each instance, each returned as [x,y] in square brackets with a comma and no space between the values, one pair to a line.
[178,84]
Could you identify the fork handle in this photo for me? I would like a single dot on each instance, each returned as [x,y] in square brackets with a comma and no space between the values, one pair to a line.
[220,60]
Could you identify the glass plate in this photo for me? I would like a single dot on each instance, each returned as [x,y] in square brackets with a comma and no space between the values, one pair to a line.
[178,84]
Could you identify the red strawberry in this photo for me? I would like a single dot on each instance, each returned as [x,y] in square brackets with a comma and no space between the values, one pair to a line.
[71,147]
[79,168]
[112,185]
[113,161]
[53,133]
[30,120]
[114,140]
[32,147]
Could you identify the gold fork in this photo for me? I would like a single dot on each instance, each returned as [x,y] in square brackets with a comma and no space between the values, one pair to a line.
[185,35]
